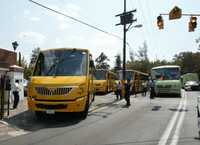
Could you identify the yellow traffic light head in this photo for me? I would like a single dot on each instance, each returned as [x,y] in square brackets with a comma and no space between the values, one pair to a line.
[192,24]
[194,21]
[190,27]
[160,22]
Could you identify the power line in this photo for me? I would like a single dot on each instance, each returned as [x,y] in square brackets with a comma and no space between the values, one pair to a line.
[77,20]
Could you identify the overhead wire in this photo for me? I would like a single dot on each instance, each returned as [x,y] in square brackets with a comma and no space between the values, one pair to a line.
[146,21]
[75,19]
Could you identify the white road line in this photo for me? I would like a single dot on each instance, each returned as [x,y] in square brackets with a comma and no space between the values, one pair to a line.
[170,126]
[175,137]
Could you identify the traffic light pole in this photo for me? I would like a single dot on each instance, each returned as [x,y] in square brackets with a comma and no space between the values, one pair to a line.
[124,46]
[166,14]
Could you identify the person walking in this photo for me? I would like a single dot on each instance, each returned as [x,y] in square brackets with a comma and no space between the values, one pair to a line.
[16,94]
[152,89]
[119,90]
[144,88]
[127,92]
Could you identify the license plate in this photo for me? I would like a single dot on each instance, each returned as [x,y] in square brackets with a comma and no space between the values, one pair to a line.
[50,111]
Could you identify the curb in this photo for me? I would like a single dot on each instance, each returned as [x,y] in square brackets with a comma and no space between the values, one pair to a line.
[4,123]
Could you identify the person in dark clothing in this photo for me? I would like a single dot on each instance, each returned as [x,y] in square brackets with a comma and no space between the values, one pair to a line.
[16,94]
[127,92]
[152,89]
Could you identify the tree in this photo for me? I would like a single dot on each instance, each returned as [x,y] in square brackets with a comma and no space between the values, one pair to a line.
[118,63]
[35,53]
[102,62]
[142,62]
[188,61]
[23,63]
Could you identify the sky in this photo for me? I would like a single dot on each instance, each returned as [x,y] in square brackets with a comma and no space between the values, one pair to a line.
[32,26]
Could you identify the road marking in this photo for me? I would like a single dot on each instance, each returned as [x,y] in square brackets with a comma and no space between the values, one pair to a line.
[175,137]
[170,126]
[98,109]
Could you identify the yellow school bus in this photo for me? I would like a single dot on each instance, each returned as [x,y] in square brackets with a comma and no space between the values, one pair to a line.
[136,78]
[104,81]
[62,81]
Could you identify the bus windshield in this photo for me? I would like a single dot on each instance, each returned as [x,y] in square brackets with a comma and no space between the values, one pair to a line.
[129,75]
[100,75]
[61,63]
[166,74]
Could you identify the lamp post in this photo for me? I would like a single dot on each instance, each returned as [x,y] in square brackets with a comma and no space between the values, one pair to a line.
[15,45]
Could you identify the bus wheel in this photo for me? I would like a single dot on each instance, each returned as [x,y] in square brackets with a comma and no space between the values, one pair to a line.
[84,114]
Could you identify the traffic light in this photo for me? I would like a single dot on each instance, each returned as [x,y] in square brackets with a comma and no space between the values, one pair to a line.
[192,23]
[160,22]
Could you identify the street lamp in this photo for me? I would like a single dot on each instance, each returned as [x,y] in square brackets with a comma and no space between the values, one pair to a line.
[138,26]
[15,45]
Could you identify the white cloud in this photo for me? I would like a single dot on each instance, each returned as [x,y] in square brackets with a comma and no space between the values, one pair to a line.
[34,38]
[107,44]
[35,19]
[63,26]
[27,12]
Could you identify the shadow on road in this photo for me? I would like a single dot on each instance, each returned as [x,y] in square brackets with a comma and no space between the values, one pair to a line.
[28,122]
[179,110]
[156,108]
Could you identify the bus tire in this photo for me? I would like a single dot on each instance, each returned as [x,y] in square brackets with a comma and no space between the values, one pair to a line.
[83,115]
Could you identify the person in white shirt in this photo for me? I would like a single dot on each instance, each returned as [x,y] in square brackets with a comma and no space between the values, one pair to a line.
[16,94]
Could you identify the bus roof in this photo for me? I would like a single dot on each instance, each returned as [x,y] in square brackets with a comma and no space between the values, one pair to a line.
[51,49]
[132,70]
[166,66]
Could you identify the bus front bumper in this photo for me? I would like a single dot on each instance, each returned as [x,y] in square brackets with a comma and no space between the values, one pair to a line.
[77,105]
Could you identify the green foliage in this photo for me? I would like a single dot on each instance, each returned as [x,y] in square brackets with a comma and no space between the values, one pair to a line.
[35,53]
[142,62]
[102,62]
[188,61]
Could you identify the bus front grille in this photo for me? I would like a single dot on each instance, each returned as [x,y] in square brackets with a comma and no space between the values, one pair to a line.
[50,91]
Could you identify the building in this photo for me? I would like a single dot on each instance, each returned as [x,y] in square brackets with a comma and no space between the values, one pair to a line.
[9,68]
[7,59]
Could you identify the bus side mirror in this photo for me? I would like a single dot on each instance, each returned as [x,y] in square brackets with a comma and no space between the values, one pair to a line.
[92,64]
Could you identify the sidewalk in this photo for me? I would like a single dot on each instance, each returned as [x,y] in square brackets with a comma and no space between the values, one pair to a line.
[6,130]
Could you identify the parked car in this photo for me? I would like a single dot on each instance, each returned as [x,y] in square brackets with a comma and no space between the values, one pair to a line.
[191,85]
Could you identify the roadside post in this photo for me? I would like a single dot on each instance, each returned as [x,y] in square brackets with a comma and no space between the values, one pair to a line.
[198,113]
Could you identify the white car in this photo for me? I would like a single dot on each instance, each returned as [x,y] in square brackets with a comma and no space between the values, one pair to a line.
[192,85]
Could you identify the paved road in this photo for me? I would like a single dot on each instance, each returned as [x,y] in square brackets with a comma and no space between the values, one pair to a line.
[162,121]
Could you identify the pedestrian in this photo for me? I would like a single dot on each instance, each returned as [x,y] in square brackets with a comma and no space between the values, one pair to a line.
[144,88]
[16,90]
[127,92]
[119,90]
[152,89]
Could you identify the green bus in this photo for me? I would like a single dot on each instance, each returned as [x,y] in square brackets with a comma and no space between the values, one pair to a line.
[167,79]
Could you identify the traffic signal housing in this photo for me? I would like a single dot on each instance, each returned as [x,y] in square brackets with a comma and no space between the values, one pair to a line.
[160,22]
[192,23]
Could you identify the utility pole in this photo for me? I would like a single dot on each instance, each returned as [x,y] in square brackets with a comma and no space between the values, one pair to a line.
[124,46]
[125,18]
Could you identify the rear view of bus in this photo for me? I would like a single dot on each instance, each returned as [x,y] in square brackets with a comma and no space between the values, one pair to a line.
[104,81]
[167,79]
[62,82]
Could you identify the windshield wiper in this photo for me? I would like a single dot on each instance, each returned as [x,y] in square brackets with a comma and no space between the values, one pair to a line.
[59,61]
